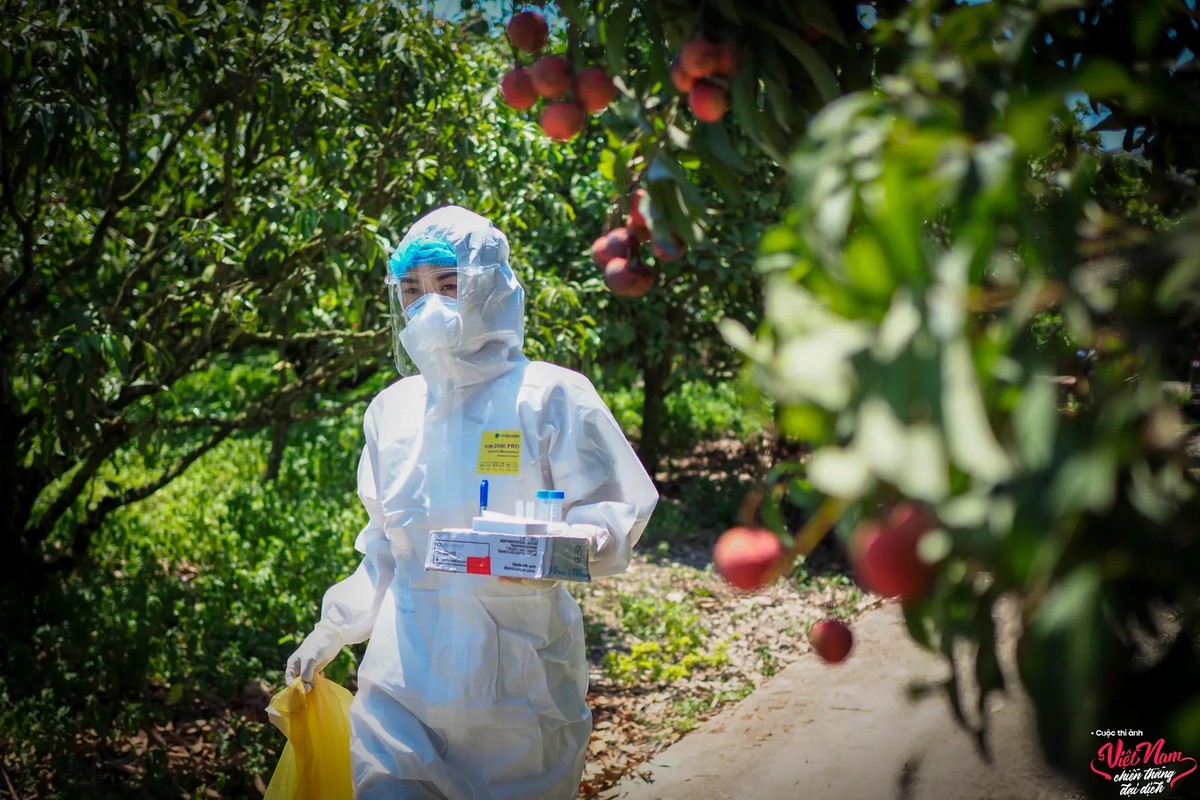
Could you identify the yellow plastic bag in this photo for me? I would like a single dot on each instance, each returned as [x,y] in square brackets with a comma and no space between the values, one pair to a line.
[315,763]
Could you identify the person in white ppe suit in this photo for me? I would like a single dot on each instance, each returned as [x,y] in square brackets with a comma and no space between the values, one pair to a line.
[472,686]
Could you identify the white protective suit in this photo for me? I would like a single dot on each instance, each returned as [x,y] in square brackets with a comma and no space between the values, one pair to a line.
[473,687]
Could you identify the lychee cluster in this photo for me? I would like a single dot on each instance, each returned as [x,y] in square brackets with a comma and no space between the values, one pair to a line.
[569,96]
[702,71]
[617,251]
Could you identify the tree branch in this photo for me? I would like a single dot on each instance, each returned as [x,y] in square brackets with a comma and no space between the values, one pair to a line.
[253,419]
[231,141]
[274,340]
[38,532]
[82,534]
[118,202]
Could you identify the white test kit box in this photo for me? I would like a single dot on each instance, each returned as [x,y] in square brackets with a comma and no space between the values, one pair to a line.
[525,549]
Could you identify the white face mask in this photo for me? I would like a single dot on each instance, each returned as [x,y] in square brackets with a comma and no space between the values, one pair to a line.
[434,327]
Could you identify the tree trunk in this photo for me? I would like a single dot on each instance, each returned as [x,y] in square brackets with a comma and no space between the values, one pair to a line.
[279,435]
[654,381]
[656,375]
[22,574]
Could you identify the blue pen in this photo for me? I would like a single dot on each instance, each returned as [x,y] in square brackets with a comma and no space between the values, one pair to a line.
[483,492]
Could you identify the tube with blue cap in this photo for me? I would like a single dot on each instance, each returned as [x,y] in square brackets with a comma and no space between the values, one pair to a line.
[550,505]
[483,496]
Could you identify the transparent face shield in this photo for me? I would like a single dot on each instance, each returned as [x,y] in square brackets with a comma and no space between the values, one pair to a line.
[408,296]
[432,310]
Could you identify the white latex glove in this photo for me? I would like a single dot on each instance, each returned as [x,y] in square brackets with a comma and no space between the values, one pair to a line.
[601,540]
[314,654]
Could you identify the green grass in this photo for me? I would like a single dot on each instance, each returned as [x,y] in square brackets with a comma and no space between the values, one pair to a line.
[189,598]
[691,711]
[670,642]
[696,412]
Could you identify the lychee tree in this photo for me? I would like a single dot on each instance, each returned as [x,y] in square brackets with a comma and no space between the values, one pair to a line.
[936,217]
[689,231]
[195,213]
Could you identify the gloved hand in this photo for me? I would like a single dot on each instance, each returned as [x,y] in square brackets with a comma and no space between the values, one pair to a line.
[599,537]
[314,654]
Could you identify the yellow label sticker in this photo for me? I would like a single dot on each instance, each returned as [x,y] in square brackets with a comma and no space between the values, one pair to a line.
[500,453]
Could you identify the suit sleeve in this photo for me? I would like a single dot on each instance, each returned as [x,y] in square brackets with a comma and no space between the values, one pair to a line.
[352,605]
[609,495]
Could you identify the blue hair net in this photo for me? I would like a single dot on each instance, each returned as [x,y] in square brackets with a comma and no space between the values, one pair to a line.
[419,252]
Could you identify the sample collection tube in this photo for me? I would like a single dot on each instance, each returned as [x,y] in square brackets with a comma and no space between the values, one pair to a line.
[550,505]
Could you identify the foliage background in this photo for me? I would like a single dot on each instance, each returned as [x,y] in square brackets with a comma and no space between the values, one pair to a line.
[903,223]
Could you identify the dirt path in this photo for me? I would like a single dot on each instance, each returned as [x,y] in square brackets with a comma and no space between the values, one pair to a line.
[759,635]
[849,732]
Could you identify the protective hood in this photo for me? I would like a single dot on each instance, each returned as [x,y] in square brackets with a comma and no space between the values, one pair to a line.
[486,324]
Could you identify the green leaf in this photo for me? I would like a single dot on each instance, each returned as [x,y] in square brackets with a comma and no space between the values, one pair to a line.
[1086,481]
[728,183]
[805,423]
[621,168]
[616,30]
[918,626]
[926,474]
[729,8]
[1064,657]
[605,168]
[1054,6]
[839,472]
[879,437]
[867,268]
[818,15]
[753,120]
[741,339]
[716,139]
[730,187]
[1181,282]
[900,324]
[820,72]
[1035,421]
[969,436]
[682,221]
[988,675]
[1103,78]
[571,10]
[743,91]
[665,167]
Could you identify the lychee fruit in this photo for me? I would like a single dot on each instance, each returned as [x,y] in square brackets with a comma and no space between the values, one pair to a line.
[699,57]
[681,78]
[551,76]
[636,222]
[517,89]
[628,277]
[728,58]
[563,120]
[528,31]
[594,89]
[668,249]
[744,556]
[885,555]
[617,243]
[832,640]
[708,101]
